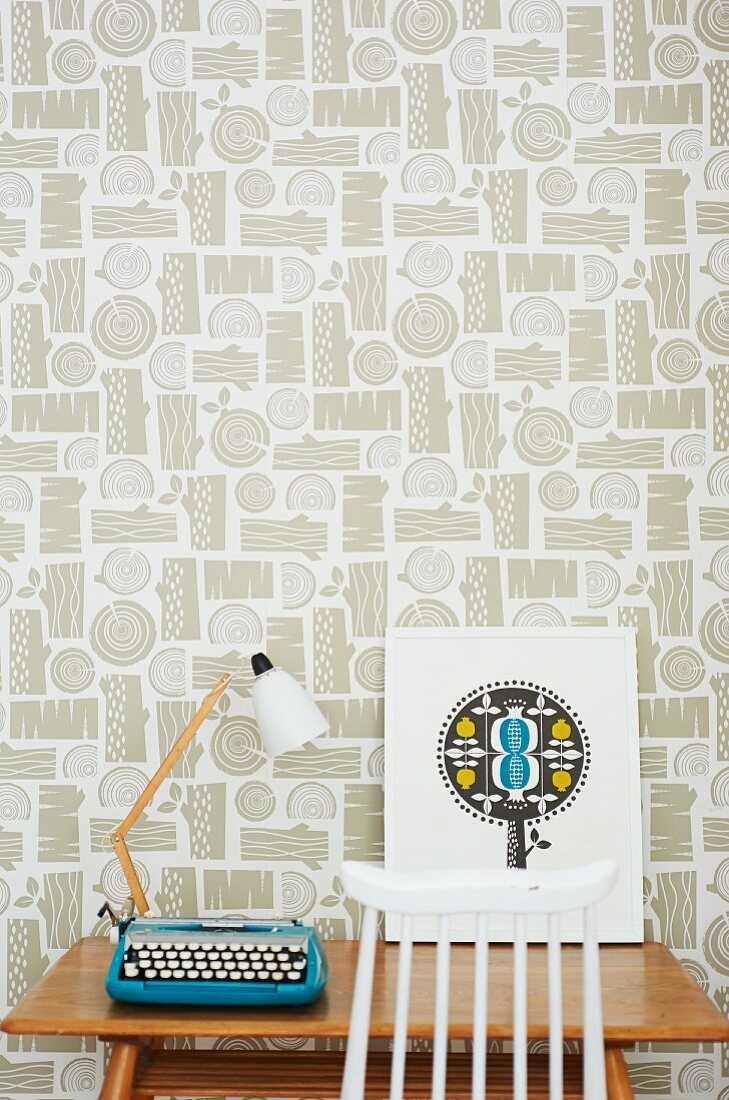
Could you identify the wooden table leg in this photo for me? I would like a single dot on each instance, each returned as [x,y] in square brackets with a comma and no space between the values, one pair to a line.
[616,1075]
[119,1079]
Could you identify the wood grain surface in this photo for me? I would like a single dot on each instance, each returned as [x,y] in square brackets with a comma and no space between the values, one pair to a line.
[647,996]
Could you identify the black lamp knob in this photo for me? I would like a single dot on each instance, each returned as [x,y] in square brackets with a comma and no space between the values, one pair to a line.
[260,664]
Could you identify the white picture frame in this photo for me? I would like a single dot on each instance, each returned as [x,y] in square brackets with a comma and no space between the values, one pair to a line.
[572,752]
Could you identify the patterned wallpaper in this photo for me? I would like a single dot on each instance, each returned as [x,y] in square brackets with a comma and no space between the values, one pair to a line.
[318,315]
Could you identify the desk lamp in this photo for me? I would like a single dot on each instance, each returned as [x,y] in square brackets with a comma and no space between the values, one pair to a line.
[287,718]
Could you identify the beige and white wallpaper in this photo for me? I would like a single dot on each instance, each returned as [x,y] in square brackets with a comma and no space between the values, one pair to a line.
[319,315]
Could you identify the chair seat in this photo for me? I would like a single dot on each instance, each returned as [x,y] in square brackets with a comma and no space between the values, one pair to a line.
[316,1073]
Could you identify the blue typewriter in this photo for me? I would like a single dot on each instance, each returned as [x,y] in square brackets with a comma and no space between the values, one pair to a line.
[211,961]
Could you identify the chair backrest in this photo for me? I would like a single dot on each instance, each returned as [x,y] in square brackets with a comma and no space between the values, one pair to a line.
[443,895]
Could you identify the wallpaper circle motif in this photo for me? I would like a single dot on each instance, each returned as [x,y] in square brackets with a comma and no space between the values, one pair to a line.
[469,60]
[470,364]
[712,24]
[123,27]
[676,57]
[73,61]
[374,59]
[542,436]
[375,362]
[72,671]
[239,437]
[73,364]
[239,134]
[424,26]
[168,63]
[558,491]
[125,571]
[540,131]
[168,672]
[589,103]
[425,325]
[123,633]
[123,327]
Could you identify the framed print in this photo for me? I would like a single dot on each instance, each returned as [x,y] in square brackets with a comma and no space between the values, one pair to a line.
[515,748]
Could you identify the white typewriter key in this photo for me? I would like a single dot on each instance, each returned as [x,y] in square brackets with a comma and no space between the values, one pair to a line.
[146,964]
[226,954]
[254,956]
[152,946]
[229,965]
[165,946]
[213,955]
[249,947]
[285,966]
[200,955]
[299,964]
[143,952]
[215,964]
[278,975]
[165,973]
[193,947]
[151,974]
[294,976]
[130,971]
[294,947]
[187,964]
[158,954]
[178,973]
[221,974]
[257,965]
[185,955]
[249,975]
[268,957]
[235,976]
[193,973]
[207,974]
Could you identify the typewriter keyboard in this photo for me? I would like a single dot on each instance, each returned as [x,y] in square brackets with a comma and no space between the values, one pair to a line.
[210,958]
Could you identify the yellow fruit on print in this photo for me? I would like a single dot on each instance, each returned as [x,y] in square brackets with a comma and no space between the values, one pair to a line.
[561,729]
[465,728]
[561,780]
[466,777]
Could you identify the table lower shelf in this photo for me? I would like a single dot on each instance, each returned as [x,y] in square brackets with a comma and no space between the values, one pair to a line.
[319,1073]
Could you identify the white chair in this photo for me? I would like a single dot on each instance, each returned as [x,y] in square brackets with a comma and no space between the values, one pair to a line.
[443,895]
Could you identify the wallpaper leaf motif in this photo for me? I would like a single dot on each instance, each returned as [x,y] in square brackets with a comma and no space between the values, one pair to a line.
[316,317]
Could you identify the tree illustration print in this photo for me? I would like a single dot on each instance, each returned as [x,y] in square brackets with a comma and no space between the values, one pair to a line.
[514,753]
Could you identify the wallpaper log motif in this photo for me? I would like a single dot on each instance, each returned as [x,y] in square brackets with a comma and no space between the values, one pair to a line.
[321,315]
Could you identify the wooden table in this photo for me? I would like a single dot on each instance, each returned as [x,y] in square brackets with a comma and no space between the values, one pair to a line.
[647,997]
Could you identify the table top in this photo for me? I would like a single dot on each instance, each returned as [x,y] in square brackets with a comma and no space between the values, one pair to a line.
[647,996]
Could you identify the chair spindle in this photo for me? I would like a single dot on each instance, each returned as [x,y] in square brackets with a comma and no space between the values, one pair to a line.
[480,1009]
[356,1057]
[520,1007]
[593,1049]
[402,1005]
[554,963]
[442,983]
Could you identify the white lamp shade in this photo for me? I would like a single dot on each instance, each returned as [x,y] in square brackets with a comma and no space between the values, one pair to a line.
[286,714]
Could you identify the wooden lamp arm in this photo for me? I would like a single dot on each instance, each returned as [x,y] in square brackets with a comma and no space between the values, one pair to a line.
[118,836]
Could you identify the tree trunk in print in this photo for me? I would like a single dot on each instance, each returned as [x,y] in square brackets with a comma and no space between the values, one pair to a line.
[516,844]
